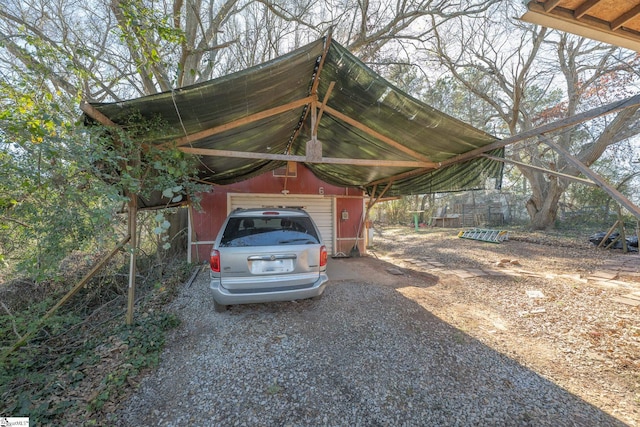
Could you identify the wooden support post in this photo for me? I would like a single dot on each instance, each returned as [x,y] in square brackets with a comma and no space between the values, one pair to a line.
[314,146]
[133,206]
[324,103]
[614,193]
[606,236]
[623,234]
[613,242]
[193,237]
[133,232]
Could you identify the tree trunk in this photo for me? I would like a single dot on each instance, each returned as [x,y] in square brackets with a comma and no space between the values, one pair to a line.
[178,231]
[543,209]
[426,206]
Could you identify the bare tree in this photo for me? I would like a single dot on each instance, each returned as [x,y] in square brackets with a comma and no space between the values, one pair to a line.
[530,76]
[115,49]
[59,52]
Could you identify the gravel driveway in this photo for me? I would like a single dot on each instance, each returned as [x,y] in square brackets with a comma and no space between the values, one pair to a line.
[363,355]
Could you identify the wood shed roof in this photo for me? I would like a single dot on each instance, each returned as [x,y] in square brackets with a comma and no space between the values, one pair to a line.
[611,21]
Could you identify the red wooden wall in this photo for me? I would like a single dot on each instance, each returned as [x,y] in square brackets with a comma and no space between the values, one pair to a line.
[213,206]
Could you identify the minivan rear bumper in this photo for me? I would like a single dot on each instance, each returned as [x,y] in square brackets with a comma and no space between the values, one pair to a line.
[225,297]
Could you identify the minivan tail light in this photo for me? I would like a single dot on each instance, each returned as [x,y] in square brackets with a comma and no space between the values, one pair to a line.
[323,256]
[214,261]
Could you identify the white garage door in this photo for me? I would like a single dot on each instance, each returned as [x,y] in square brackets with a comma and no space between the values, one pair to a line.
[319,208]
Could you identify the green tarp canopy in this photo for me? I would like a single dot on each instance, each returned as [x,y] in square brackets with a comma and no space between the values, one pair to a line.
[321,106]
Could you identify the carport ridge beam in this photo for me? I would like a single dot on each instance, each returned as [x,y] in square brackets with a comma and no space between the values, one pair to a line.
[304,159]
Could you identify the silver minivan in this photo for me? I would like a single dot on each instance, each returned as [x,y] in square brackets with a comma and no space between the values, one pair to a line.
[264,255]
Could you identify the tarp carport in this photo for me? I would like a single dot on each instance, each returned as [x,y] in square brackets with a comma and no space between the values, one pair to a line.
[321,106]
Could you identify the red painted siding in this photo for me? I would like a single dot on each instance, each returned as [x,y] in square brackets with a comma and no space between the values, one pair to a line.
[207,221]
[346,229]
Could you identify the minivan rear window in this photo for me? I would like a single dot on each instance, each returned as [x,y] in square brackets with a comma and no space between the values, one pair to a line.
[269,231]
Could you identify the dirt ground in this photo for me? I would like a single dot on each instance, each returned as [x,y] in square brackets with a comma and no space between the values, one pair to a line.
[557,305]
